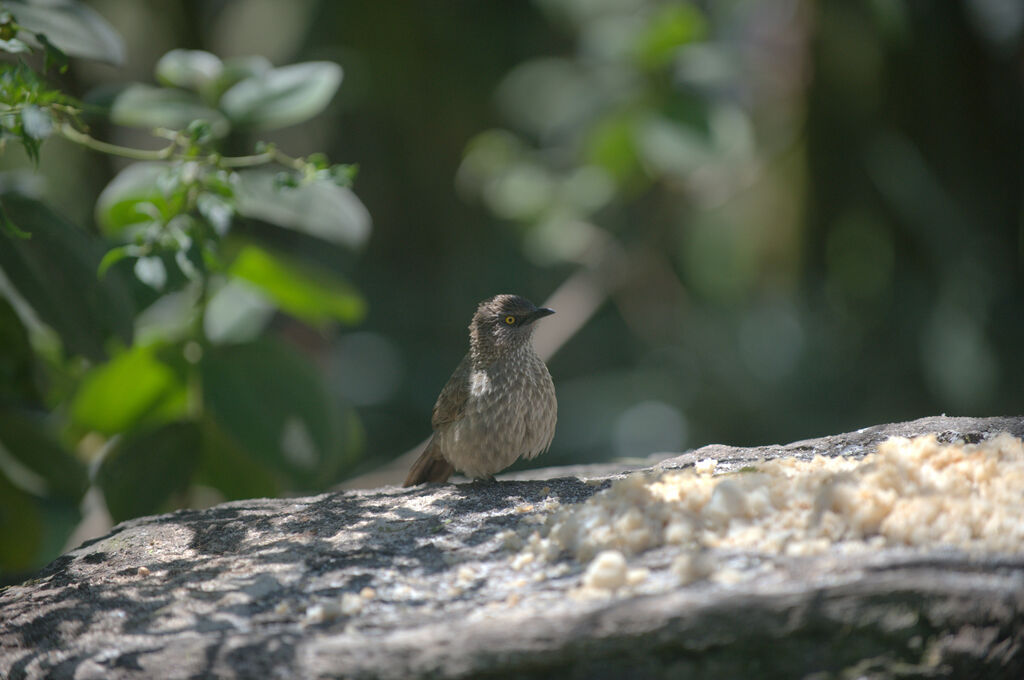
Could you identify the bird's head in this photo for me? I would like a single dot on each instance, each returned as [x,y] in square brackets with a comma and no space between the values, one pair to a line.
[503,324]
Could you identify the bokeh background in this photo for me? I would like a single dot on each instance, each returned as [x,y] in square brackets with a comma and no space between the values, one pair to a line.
[758,221]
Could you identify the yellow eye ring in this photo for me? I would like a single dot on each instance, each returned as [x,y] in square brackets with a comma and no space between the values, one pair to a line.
[510,319]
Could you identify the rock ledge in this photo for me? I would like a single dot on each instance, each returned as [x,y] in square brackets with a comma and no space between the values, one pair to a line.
[397,583]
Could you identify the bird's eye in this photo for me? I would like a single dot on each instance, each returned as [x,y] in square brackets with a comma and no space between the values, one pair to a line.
[510,319]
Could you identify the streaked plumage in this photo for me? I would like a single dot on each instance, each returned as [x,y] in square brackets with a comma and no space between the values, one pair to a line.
[498,405]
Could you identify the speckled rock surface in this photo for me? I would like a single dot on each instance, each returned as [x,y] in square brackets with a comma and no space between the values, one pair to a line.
[397,583]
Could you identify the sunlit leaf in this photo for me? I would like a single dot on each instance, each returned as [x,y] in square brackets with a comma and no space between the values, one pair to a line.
[550,96]
[612,145]
[55,272]
[237,312]
[113,256]
[217,211]
[14,46]
[673,26]
[285,180]
[188,69]
[152,107]
[135,387]
[344,174]
[487,155]
[282,96]
[151,271]
[144,469]
[74,27]
[235,69]
[670,148]
[273,402]
[26,438]
[319,208]
[132,197]
[524,191]
[305,291]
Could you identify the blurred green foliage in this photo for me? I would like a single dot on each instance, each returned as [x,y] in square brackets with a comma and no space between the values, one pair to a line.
[134,359]
[770,221]
[795,218]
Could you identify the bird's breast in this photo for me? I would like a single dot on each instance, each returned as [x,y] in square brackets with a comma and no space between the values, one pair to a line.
[510,412]
[479,384]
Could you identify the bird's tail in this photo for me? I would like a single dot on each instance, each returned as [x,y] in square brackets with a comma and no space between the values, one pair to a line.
[429,467]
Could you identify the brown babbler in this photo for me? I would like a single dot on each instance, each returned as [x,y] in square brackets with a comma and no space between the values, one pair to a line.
[499,403]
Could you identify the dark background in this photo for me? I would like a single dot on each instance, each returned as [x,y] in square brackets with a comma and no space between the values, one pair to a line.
[816,212]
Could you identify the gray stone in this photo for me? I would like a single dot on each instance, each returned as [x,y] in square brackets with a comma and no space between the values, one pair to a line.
[396,583]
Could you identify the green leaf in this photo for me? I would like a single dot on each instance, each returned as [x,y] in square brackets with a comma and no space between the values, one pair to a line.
[60,517]
[8,28]
[52,55]
[30,145]
[55,272]
[235,70]
[200,132]
[273,402]
[133,197]
[189,69]
[314,295]
[143,470]
[237,312]
[227,467]
[14,46]
[26,438]
[113,256]
[611,144]
[16,369]
[74,27]
[33,530]
[673,26]
[319,208]
[136,387]
[285,180]
[668,147]
[153,107]
[10,227]
[344,174]
[216,210]
[282,96]
[151,271]
[21,527]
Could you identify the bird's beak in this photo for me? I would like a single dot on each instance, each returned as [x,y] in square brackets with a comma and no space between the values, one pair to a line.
[540,313]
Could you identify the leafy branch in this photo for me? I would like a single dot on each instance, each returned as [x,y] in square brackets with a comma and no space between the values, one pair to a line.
[183,148]
[41,112]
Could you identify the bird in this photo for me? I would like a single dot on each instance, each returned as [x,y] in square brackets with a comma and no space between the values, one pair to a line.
[498,405]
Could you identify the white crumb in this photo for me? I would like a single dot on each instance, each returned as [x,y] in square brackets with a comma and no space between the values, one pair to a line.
[606,572]
[705,467]
[909,492]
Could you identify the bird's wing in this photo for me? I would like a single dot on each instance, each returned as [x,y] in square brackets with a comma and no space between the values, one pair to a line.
[452,400]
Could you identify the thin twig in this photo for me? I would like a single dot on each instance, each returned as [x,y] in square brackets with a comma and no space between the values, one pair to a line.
[90,142]
[270,155]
